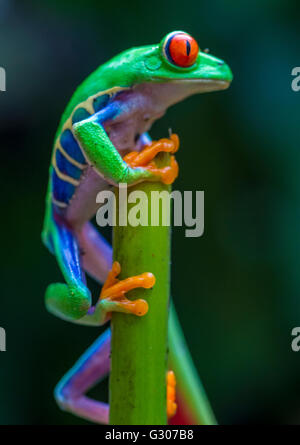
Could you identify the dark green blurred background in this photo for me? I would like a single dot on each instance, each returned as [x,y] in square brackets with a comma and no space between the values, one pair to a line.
[237,287]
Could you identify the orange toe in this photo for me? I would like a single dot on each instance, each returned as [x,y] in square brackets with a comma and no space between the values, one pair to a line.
[136,307]
[143,158]
[171,172]
[171,394]
[175,139]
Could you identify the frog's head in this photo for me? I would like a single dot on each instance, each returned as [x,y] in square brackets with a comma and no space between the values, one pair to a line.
[178,58]
[178,62]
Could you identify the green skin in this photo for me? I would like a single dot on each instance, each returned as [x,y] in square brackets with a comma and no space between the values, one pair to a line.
[137,66]
[148,71]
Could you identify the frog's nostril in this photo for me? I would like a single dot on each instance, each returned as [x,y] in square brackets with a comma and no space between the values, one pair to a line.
[221,63]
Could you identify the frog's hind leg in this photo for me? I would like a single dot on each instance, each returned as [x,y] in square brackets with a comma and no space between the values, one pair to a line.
[72,300]
[88,370]
[96,252]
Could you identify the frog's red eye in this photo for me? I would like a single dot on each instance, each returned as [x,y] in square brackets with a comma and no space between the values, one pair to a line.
[181,49]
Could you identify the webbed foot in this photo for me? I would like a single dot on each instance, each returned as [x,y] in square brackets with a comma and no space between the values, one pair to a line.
[112,297]
[145,159]
[171,394]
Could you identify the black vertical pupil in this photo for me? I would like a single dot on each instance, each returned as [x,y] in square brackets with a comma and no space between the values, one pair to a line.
[188,47]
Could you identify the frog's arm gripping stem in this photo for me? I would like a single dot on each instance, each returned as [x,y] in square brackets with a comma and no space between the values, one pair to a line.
[101,153]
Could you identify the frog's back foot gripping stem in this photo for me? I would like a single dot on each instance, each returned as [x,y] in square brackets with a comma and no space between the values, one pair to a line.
[94,365]
[171,394]
[90,369]
[72,301]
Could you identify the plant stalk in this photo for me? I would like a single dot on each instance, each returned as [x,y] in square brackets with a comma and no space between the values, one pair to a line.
[139,344]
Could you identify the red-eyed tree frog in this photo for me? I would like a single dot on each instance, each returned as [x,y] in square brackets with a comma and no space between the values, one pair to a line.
[107,118]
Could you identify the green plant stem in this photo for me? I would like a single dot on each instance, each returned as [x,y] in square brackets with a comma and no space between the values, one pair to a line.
[139,344]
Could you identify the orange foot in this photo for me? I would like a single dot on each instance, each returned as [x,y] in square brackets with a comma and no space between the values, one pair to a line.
[171,394]
[145,159]
[113,292]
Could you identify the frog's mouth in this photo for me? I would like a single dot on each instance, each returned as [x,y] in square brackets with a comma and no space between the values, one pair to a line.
[166,92]
[199,85]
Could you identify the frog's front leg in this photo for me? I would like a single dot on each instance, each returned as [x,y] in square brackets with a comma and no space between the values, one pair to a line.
[103,156]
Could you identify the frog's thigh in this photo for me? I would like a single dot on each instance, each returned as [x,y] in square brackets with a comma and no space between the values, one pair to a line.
[96,252]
